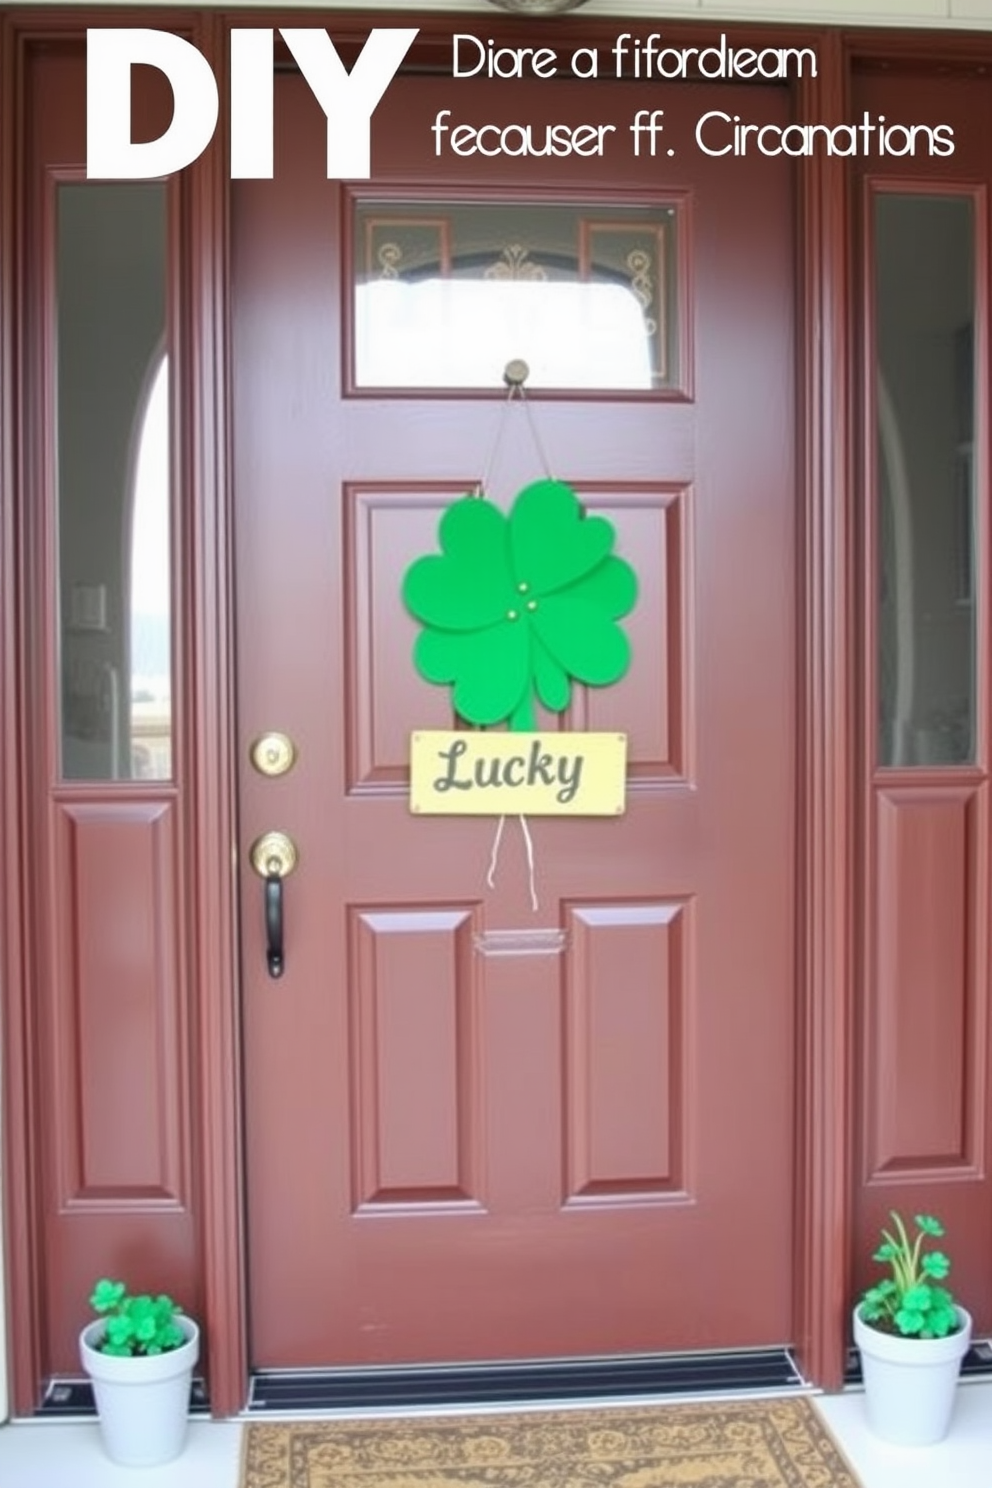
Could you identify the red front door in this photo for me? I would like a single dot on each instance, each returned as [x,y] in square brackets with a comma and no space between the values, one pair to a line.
[454,1153]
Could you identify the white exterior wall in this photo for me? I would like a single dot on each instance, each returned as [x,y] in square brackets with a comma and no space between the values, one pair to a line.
[4,1408]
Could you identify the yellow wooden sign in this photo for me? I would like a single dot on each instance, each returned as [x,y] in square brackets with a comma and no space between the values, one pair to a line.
[475,773]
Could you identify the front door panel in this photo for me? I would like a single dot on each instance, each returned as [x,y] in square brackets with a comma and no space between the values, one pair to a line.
[455,1152]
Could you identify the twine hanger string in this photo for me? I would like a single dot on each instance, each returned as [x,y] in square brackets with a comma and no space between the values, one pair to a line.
[529,847]
[515,374]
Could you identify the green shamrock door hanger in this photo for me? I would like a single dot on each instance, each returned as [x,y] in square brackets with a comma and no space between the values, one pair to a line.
[514,608]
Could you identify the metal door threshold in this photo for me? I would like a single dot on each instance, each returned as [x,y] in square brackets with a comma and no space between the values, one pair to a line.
[528,1382]
[70,1399]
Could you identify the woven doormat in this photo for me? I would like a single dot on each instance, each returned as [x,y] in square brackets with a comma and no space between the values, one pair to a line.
[778,1443]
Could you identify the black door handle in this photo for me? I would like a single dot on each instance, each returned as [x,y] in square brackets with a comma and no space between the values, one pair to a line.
[273,857]
[273,925]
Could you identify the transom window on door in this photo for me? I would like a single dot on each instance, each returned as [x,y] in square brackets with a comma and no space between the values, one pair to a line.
[446,293]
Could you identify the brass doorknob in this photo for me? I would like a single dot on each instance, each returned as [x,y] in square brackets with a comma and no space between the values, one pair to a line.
[274,855]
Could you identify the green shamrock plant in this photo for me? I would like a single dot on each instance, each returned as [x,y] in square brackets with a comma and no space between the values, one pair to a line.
[136,1324]
[911,1301]
[518,605]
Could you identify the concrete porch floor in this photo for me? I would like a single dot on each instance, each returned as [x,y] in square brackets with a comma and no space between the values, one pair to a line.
[68,1455]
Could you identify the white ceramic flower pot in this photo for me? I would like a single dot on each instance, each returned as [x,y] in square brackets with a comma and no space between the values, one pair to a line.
[143,1404]
[910,1383]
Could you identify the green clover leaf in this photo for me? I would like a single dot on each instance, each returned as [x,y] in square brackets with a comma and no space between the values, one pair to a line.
[517,606]
[106,1294]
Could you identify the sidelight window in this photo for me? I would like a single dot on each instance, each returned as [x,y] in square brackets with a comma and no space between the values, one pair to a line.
[925,347]
[113,477]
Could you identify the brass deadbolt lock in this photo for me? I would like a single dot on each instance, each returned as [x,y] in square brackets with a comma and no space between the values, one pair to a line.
[273,754]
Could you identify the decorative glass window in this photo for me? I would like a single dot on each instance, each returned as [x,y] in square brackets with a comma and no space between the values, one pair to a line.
[446,293]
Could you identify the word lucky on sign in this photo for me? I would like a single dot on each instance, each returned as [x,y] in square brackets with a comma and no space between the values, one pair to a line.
[477,773]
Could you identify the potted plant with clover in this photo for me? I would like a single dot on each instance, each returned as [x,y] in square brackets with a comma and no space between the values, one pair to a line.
[139,1352]
[912,1336]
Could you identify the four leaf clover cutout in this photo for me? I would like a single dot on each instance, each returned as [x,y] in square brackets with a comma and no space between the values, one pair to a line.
[518,605]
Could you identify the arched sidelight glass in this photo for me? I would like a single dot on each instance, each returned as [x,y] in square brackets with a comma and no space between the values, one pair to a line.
[113,481]
[149,608]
